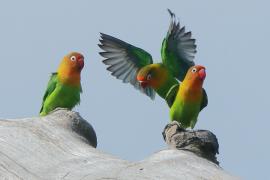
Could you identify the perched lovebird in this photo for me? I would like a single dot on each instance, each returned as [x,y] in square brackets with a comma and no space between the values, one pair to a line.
[135,66]
[64,86]
[189,99]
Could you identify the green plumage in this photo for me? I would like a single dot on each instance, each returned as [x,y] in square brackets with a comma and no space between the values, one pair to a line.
[135,66]
[185,112]
[172,92]
[59,95]
[125,61]
[164,88]
[178,49]
[190,98]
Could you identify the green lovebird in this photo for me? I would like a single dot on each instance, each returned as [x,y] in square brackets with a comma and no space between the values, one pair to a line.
[189,99]
[135,66]
[64,87]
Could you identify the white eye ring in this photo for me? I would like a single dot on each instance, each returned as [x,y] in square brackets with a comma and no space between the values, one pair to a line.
[149,77]
[194,70]
[73,58]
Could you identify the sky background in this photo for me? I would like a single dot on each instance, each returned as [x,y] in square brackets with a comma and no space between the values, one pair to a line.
[233,44]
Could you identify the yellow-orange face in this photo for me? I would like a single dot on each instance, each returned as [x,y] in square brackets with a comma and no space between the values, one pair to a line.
[195,75]
[70,68]
[153,75]
[74,60]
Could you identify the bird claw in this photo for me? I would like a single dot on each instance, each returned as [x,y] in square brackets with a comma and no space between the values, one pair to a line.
[58,109]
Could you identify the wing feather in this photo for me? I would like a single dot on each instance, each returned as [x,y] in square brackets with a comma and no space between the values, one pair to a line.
[124,60]
[50,88]
[178,49]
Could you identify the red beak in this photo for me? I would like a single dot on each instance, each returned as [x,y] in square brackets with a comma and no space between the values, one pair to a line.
[144,84]
[202,74]
[142,81]
[80,61]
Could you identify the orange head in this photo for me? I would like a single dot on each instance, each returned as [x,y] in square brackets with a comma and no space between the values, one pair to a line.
[195,76]
[70,68]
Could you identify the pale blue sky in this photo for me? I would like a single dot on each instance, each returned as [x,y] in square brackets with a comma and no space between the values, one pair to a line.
[232,38]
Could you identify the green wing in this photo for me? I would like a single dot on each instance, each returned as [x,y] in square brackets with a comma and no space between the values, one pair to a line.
[178,49]
[171,95]
[50,88]
[204,100]
[124,61]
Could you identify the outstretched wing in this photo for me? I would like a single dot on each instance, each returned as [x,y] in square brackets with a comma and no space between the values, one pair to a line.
[178,49]
[50,88]
[124,61]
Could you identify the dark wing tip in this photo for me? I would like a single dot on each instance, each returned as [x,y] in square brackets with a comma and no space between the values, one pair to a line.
[171,13]
[106,36]
[101,53]
[101,34]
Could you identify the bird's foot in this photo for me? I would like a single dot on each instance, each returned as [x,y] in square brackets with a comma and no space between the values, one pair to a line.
[58,109]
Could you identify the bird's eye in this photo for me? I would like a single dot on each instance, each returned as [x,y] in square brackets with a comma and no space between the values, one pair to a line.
[149,76]
[194,70]
[73,58]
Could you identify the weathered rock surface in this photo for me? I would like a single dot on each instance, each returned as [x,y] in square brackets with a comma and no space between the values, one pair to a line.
[61,146]
[201,142]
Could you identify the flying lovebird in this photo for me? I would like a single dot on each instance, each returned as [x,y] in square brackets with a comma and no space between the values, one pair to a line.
[64,87]
[134,65]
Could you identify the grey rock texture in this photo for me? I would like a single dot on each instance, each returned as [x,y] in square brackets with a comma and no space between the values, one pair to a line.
[61,146]
[201,142]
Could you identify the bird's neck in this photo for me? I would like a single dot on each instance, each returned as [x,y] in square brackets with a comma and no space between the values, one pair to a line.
[190,91]
[68,76]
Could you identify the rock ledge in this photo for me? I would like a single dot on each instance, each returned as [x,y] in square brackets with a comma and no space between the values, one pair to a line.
[61,146]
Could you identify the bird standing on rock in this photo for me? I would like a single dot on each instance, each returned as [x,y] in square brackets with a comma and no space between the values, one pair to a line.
[189,99]
[64,87]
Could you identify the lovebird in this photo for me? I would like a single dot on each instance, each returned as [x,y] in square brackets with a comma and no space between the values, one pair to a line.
[135,66]
[189,99]
[64,87]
